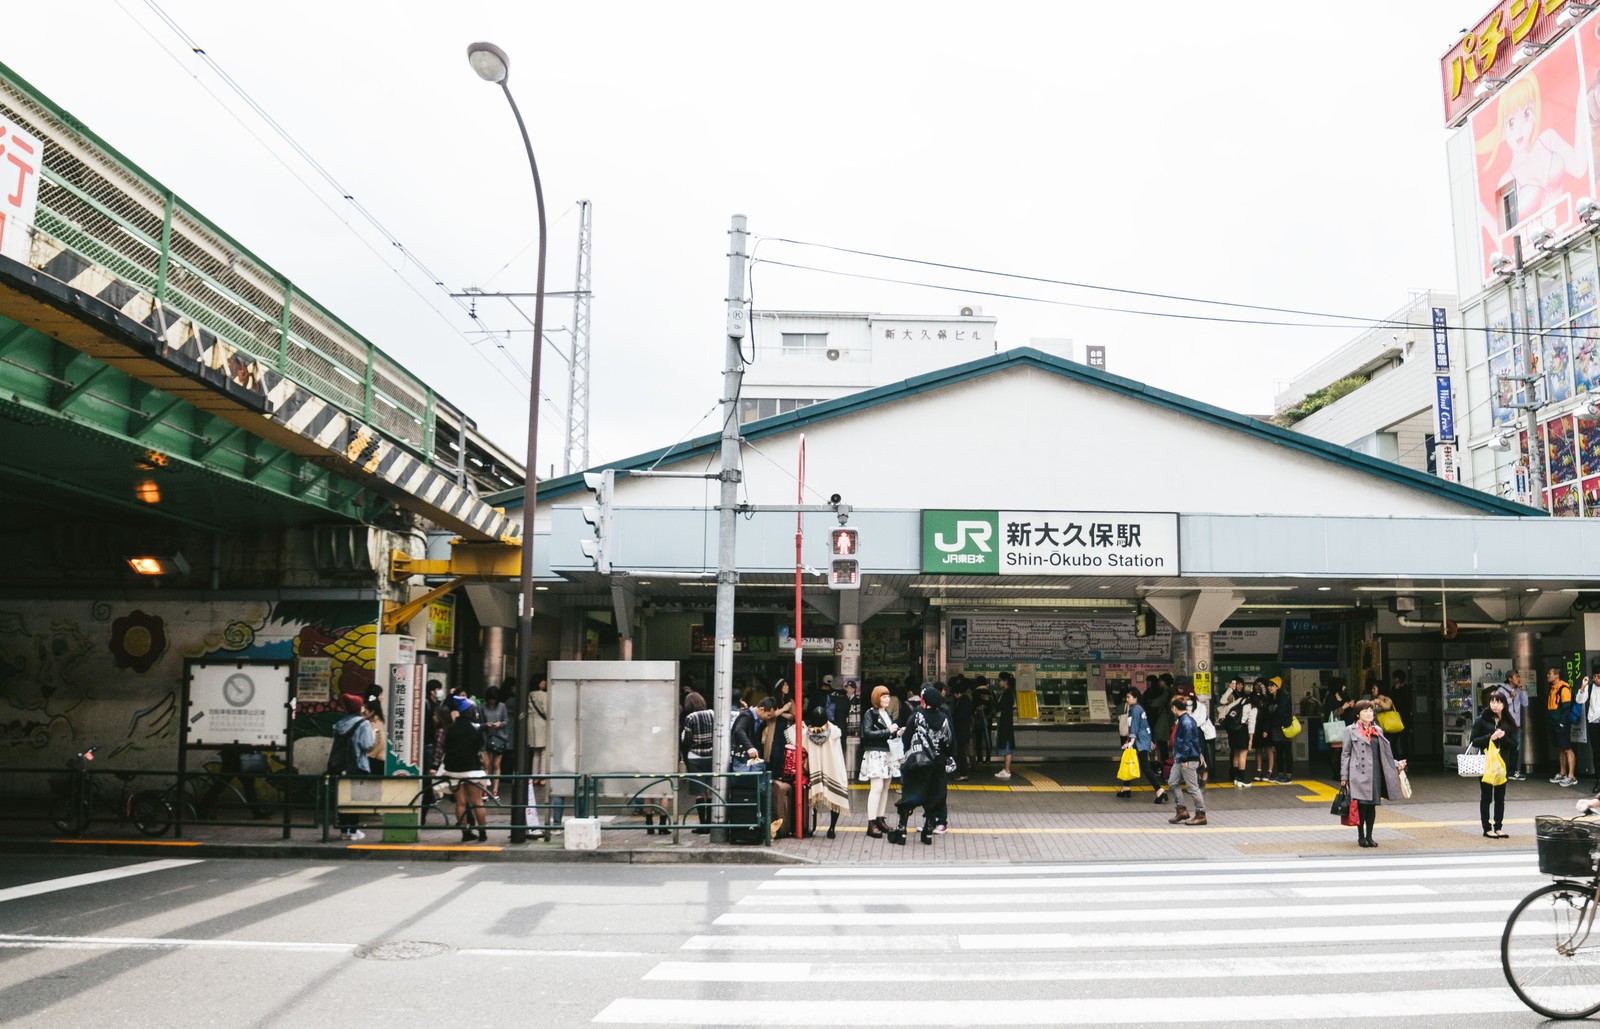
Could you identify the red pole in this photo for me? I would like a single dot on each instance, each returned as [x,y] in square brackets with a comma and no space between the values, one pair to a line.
[799,660]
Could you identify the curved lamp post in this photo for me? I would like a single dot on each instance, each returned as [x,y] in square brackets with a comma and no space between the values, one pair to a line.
[492,65]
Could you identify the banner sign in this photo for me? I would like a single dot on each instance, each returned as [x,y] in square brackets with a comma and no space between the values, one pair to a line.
[1053,543]
[1486,56]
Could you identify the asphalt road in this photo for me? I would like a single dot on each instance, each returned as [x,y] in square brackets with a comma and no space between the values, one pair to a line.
[1375,938]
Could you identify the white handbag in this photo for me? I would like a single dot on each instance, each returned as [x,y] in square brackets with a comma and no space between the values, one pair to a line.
[1333,731]
[1471,763]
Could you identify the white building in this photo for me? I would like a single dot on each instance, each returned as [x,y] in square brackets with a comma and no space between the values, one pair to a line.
[1391,415]
[803,357]
[1523,162]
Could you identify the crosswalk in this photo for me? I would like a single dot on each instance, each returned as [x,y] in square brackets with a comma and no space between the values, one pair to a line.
[1411,938]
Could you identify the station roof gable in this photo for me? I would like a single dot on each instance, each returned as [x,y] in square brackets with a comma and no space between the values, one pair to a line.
[854,404]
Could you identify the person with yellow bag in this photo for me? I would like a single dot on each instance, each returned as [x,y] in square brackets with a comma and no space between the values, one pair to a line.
[1496,734]
[1136,750]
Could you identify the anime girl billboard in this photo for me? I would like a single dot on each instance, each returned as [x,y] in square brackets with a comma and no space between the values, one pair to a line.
[1533,143]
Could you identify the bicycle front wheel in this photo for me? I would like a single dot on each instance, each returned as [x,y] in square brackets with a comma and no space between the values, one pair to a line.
[1550,956]
[151,815]
[69,814]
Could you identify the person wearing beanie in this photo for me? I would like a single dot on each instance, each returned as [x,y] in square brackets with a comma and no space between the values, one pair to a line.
[923,778]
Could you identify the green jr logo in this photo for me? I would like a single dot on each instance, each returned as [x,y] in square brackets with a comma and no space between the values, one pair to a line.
[960,542]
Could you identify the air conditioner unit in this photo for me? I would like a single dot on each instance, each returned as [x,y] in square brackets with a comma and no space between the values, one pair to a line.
[833,355]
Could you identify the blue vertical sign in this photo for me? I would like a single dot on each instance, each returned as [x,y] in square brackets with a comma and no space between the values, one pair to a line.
[1444,422]
[1441,343]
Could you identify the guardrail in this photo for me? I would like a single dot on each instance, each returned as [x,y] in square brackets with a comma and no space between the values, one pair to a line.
[407,808]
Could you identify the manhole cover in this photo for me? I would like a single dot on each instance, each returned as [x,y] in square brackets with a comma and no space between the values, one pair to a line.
[403,950]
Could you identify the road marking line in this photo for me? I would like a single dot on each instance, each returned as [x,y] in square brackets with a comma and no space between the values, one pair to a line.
[17,941]
[133,843]
[72,882]
[1254,967]
[1079,916]
[1521,877]
[898,872]
[1068,1011]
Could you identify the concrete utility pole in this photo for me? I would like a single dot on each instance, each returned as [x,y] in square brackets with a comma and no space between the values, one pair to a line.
[727,507]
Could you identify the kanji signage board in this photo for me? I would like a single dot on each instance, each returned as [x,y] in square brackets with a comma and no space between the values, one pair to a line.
[1058,543]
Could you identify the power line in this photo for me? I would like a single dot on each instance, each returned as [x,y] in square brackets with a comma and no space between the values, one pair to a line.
[316,166]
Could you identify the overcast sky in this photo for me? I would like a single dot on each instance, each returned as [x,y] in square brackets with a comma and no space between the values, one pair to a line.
[1289,155]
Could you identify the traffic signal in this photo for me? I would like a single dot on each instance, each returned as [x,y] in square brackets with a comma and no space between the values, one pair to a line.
[844,566]
[598,515]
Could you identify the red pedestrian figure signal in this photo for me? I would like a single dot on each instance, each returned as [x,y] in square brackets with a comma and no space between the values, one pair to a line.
[844,569]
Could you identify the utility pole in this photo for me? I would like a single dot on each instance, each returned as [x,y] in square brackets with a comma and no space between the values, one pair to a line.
[727,507]
[1530,380]
[576,455]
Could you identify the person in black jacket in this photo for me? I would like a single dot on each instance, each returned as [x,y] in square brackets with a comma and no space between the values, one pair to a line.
[463,763]
[746,733]
[924,786]
[1495,725]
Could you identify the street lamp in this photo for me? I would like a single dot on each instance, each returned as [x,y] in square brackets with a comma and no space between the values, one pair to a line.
[492,65]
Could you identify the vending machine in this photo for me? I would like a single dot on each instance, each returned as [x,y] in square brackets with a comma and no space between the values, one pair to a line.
[1465,684]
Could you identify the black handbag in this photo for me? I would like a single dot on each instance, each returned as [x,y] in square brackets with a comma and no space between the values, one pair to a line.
[1341,804]
[920,754]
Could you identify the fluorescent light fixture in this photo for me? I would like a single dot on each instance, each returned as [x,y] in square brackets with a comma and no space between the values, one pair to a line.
[1324,589]
[1428,589]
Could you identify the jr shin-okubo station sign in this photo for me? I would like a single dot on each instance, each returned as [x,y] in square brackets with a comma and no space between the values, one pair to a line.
[1049,543]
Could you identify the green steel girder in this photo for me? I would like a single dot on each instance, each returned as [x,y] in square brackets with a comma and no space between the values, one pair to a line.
[81,390]
[154,418]
[80,428]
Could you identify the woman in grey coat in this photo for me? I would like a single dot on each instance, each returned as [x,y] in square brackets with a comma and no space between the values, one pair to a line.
[1368,769]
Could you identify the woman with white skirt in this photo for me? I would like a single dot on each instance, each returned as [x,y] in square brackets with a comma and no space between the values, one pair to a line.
[878,765]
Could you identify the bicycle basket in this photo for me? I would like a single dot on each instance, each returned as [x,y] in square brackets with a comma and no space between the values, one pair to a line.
[1566,847]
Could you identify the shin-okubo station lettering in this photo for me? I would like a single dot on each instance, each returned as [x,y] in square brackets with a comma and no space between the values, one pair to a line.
[1049,543]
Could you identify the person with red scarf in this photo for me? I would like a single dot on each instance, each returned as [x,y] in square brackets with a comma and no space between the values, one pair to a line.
[1368,770]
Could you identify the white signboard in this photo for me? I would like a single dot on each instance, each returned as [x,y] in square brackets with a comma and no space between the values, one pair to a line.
[21,157]
[238,702]
[1248,639]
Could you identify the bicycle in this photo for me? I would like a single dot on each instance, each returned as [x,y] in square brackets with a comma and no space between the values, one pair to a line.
[1548,953]
[75,791]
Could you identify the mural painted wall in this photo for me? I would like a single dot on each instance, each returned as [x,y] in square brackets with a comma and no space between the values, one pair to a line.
[76,674]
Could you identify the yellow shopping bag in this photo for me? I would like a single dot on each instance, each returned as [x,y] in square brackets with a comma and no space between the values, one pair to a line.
[1494,767]
[1129,769]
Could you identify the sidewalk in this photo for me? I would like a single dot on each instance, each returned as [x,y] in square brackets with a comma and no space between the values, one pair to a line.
[1048,812]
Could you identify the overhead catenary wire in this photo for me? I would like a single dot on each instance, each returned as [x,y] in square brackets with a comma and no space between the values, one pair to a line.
[317,167]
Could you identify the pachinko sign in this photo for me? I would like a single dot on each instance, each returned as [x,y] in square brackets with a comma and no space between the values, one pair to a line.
[1536,143]
[21,157]
[1489,52]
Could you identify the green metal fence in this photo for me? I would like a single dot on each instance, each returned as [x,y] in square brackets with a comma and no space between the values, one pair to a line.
[100,206]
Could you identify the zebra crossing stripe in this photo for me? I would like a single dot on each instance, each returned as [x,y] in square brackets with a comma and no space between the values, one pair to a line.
[1362,1004]
[1526,872]
[898,872]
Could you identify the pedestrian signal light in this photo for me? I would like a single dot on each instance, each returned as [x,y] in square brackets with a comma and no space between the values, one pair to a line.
[844,566]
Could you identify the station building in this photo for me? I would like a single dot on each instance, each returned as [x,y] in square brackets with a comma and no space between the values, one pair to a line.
[1023,513]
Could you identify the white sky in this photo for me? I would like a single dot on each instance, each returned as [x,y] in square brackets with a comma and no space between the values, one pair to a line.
[1282,154]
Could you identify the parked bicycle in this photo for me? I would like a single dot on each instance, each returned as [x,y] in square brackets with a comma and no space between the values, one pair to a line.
[76,790]
[1548,951]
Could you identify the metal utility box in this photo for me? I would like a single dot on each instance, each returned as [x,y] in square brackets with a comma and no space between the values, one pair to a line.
[613,717]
